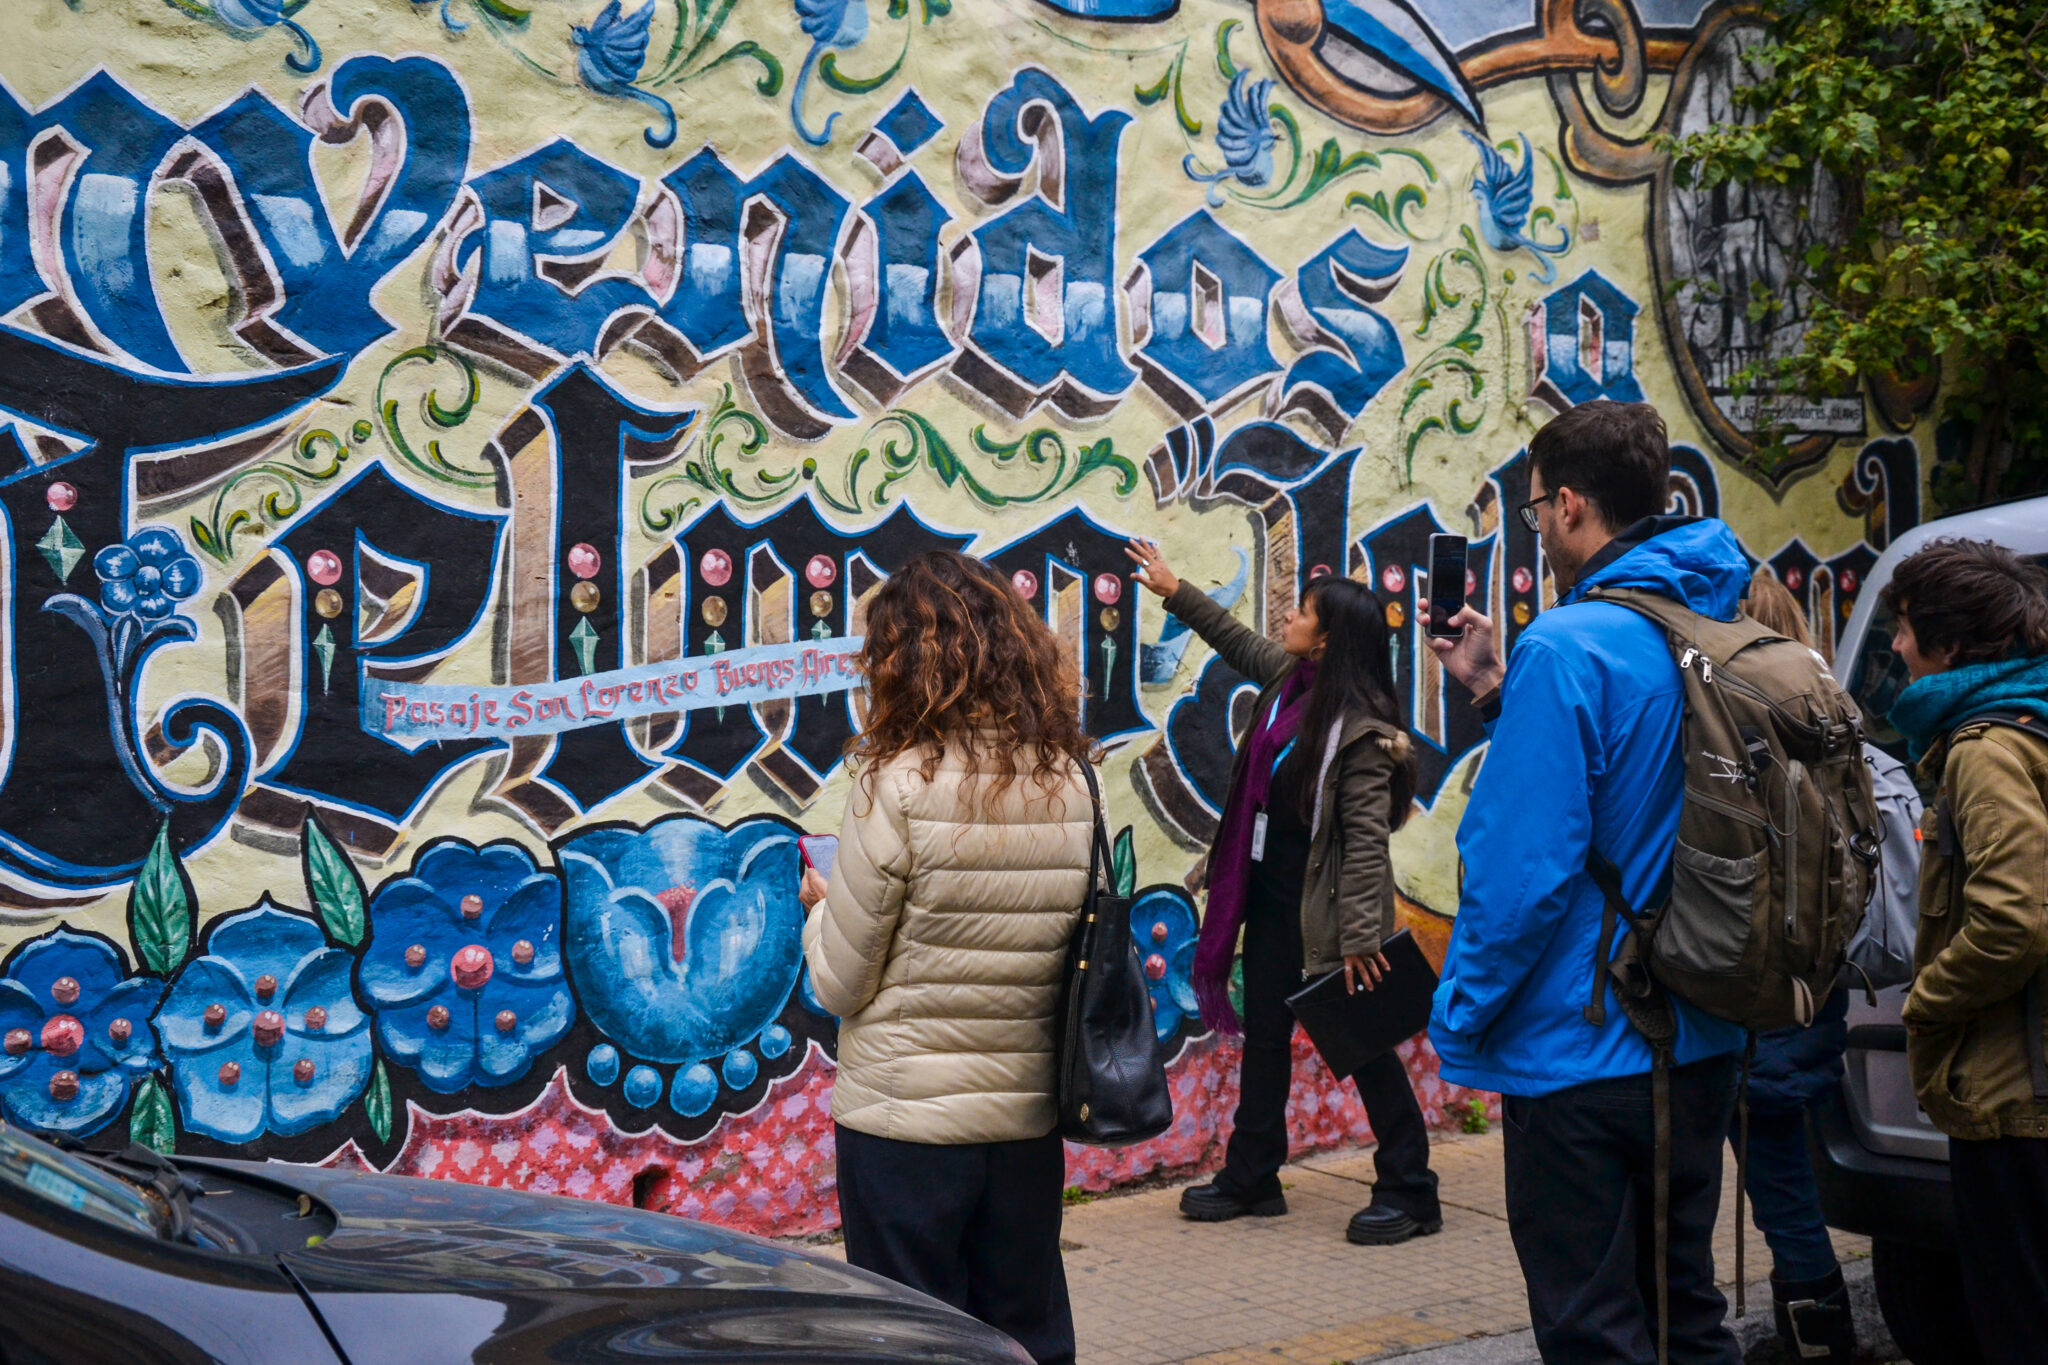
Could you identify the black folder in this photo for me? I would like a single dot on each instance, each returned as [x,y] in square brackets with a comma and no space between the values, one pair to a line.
[1350,1030]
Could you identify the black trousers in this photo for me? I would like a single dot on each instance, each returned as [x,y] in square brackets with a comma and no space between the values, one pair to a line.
[1258,1137]
[976,1226]
[2000,1187]
[1581,1212]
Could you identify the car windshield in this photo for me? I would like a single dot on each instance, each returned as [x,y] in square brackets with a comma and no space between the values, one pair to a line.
[31,1165]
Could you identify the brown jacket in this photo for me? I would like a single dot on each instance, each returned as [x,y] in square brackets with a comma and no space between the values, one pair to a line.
[941,944]
[1981,959]
[1347,900]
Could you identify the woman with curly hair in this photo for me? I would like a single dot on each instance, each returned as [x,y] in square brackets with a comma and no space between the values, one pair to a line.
[940,940]
[1301,867]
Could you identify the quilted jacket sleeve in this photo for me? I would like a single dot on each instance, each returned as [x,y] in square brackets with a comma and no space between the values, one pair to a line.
[1244,649]
[846,940]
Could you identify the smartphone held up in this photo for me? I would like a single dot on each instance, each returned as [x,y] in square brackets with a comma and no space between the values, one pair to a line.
[1446,585]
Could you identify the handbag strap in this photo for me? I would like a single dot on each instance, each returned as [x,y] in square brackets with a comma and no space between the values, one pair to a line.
[1098,843]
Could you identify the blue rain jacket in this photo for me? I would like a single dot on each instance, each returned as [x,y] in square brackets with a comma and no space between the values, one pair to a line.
[1585,749]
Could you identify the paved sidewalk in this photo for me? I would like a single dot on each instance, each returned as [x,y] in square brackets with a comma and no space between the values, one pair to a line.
[1151,1288]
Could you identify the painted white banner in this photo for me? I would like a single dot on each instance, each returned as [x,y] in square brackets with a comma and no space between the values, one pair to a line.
[414,714]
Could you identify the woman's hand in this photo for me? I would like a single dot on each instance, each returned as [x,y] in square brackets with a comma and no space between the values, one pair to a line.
[1364,971]
[812,890]
[1152,569]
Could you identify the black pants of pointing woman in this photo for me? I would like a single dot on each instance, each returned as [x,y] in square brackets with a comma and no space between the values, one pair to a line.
[1258,1139]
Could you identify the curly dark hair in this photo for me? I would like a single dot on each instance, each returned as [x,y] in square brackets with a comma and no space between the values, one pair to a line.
[952,652]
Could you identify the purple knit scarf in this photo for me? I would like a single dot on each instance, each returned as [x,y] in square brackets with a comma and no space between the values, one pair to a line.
[1230,861]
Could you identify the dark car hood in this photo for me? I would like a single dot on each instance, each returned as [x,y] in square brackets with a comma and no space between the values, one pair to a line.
[437,1271]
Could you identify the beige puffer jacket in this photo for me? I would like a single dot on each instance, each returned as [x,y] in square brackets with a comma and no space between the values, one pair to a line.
[941,943]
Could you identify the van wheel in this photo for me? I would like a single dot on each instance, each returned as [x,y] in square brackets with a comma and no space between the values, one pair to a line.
[1920,1293]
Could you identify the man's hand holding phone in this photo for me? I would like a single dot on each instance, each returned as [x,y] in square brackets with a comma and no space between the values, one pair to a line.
[1473,658]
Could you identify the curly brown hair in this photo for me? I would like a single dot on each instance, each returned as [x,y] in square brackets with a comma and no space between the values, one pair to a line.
[952,653]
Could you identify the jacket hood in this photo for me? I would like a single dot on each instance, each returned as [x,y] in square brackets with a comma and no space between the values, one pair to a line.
[1692,560]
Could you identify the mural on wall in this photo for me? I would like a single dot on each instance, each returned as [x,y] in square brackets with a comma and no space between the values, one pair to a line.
[449,446]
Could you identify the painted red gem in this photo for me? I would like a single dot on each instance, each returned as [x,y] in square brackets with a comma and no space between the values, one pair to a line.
[1471,584]
[1155,967]
[1025,582]
[302,1071]
[472,906]
[416,956]
[64,990]
[61,497]
[1793,578]
[64,1086]
[1848,580]
[62,1035]
[269,1028]
[19,1040]
[120,1031]
[325,567]
[716,566]
[266,986]
[820,572]
[1523,580]
[1108,588]
[230,1074]
[584,561]
[506,1021]
[1319,571]
[316,1019]
[472,966]
[216,1015]
[1159,932]
[437,1017]
[1393,578]
[522,951]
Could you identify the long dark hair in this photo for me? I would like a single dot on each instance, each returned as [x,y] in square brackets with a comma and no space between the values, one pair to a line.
[953,653]
[1355,674]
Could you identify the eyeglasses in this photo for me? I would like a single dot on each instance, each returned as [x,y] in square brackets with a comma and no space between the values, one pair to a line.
[1528,511]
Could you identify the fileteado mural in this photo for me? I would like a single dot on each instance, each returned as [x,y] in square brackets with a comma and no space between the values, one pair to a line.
[449,444]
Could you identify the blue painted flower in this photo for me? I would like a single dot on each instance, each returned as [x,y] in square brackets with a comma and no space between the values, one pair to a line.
[463,966]
[250,15]
[1245,136]
[148,576]
[262,1032]
[828,24]
[76,1033]
[1163,927]
[611,49]
[685,939]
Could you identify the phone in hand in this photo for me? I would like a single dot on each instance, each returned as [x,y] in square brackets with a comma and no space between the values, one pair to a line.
[819,851]
[1446,584]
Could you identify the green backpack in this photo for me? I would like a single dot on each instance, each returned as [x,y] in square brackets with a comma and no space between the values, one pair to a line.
[1778,847]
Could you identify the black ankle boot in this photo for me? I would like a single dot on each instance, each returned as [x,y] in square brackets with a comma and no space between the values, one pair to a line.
[1813,1318]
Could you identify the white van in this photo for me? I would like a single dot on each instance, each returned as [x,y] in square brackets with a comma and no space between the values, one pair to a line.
[1882,1167]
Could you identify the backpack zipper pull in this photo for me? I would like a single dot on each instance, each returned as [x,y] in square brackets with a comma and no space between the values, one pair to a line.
[1685,659]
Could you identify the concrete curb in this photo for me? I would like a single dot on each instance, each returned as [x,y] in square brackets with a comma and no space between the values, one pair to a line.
[1755,1332]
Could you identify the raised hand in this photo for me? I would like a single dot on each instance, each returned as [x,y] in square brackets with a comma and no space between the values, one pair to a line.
[1153,572]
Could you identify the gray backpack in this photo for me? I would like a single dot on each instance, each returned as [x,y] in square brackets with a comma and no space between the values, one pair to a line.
[1882,950]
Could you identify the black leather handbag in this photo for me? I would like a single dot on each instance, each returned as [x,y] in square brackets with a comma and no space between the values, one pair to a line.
[1112,1087]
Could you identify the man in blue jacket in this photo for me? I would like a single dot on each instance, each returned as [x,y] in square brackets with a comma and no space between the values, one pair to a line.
[1583,755]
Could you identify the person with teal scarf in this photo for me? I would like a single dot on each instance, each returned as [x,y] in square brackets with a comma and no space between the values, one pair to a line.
[1973,634]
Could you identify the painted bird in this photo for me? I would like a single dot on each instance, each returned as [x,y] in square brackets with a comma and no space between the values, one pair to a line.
[1245,136]
[1505,197]
[829,24]
[612,48]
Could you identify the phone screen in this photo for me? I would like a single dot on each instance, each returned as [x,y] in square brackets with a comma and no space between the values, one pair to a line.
[819,851]
[1446,583]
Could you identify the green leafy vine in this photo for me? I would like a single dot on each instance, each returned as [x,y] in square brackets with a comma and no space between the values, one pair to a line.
[915,442]
[432,462]
[1170,83]
[1451,359]
[704,473]
[216,534]
[698,24]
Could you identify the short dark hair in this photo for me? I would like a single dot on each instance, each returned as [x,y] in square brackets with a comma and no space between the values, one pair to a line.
[1614,455]
[1972,597]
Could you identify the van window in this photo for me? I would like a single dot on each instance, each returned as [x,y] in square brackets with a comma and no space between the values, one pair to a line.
[1877,675]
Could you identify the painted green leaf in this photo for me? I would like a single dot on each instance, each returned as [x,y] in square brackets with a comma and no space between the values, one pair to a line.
[149,1121]
[1155,92]
[377,1103]
[336,889]
[1123,857]
[160,908]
